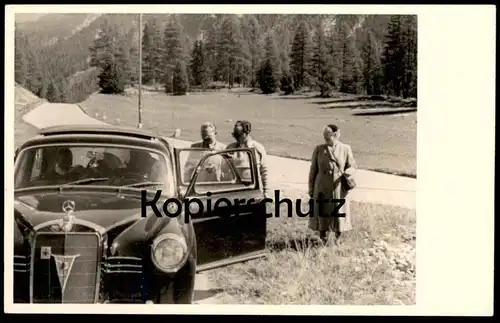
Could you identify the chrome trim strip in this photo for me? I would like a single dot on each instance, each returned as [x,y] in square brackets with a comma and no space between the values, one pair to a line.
[231,261]
[101,230]
[208,218]
[99,259]
[107,271]
[124,257]
[19,202]
[130,267]
[110,267]
[21,270]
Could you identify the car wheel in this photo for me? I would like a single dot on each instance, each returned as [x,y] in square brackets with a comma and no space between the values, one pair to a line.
[166,296]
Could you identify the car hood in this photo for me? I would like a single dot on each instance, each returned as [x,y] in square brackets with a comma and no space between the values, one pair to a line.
[103,209]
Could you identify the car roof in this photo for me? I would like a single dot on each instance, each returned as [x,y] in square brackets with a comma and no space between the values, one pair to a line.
[99,133]
[99,130]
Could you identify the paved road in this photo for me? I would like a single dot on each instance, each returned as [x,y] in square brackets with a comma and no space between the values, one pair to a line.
[285,173]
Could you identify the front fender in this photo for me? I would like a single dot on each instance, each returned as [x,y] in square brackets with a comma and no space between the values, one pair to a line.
[133,240]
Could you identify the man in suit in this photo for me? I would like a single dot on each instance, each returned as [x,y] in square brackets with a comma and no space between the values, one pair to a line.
[213,165]
[208,132]
[241,133]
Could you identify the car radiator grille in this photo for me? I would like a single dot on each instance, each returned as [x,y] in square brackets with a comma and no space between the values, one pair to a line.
[66,268]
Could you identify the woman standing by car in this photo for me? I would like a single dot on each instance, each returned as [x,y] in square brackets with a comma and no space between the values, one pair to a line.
[331,177]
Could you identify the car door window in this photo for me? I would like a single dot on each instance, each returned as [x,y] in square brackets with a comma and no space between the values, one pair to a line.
[221,172]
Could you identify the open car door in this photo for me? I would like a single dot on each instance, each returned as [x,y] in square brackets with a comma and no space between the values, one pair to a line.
[230,223]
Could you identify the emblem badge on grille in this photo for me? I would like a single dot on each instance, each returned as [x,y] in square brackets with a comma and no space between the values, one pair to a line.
[45,252]
[63,266]
[66,223]
[68,206]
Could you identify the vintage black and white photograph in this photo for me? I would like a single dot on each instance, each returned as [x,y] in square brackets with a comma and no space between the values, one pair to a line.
[118,115]
[246,157]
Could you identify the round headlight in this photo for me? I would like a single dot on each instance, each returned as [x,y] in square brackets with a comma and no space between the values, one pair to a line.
[168,252]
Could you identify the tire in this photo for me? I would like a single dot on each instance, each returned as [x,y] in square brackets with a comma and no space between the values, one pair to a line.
[166,296]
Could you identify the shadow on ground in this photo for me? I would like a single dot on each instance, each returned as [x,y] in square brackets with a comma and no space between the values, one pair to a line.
[296,97]
[386,112]
[295,245]
[200,295]
[340,100]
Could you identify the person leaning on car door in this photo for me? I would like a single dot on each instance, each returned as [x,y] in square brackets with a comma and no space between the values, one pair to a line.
[241,133]
[213,165]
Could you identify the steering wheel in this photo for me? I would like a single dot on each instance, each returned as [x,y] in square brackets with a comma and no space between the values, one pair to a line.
[94,167]
[93,163]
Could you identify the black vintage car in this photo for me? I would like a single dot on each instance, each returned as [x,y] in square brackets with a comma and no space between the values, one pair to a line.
[81,236]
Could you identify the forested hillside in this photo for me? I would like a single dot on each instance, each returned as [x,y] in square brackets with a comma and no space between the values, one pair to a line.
[67,57]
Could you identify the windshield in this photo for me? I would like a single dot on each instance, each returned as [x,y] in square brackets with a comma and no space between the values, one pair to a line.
[93,165]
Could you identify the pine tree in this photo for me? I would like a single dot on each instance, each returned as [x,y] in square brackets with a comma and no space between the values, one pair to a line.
[110,80]
[244,70]
[372,72]
[28,69]
[321,61]
[53,93]
[230,54]
[393,58]
[255,48]
[106,53]
[133,54]
[210,35]
[102,48]
[20,61]
[148,58]
[300,56]
[409,43]
[122,59]
[157,54]
[199,68]
[286,82]
[64,88]
[269,76]
[174,51]
[180,78]
[347,61]
[35,81]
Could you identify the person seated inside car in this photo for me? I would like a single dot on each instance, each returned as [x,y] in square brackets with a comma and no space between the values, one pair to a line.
[62,168]
[143,167]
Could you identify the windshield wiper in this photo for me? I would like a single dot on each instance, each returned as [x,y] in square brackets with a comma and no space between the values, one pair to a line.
[87,181]
[144,184]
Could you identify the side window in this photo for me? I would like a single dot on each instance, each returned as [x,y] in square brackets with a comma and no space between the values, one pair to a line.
[225,172]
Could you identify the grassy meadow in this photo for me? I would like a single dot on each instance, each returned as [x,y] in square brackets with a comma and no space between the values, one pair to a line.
[288,126]
[375,265]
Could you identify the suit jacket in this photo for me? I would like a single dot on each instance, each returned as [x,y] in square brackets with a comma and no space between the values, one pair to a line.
[214,169]
[261,159]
